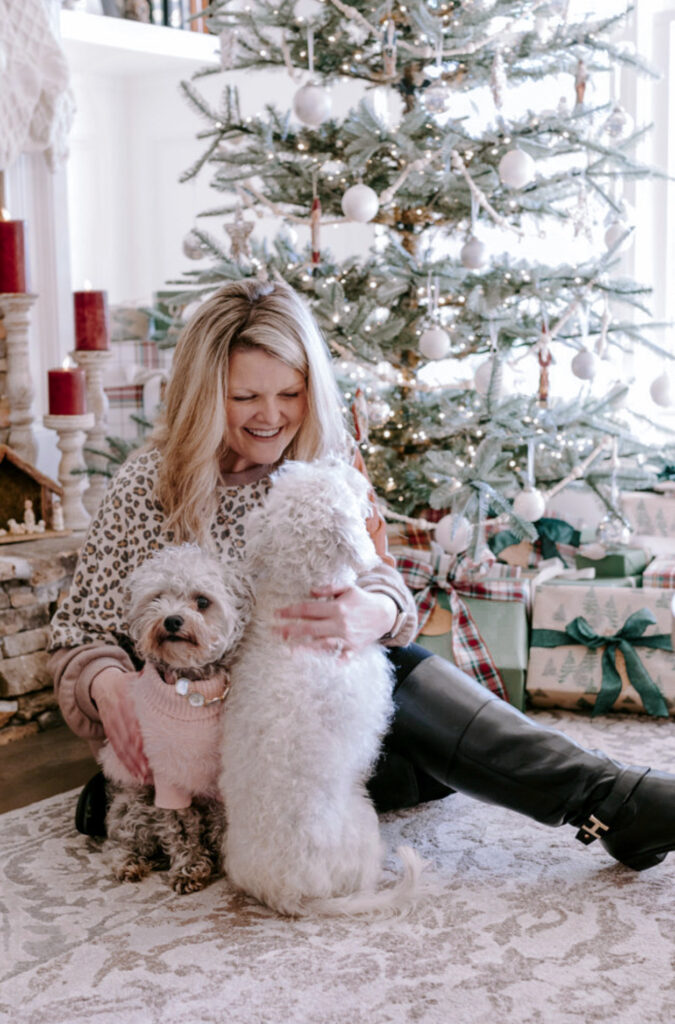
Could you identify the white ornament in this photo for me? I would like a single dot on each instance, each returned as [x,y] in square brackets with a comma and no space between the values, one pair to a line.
[473,254]
[453,533]
[360,203]
[305,10]
[659,389]
[516,168]
[436,97]
[434,343]
[584,365]
[312,104]
[483,375]
[530,504]
[193,247]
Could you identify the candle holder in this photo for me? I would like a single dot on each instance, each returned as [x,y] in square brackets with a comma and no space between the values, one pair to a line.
[16,309]
[93,362]
[71,431]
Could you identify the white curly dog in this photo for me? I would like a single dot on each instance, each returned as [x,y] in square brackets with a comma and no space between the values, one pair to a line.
[302,726]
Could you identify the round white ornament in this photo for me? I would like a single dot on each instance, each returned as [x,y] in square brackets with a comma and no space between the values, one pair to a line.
[530,504]
[312,104]
[453,533]
[483,374]
[193,247]
[360,203]
[434,343]
[584,365]
[659,389]
[472,254]
[516,168]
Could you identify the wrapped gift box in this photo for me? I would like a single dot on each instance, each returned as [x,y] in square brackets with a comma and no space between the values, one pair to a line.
[652,517]
[624,561]
[557,539]
[570,666]
[482,618]
[660,573]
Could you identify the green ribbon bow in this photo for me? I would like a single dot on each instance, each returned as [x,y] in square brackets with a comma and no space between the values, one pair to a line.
[578,631]
[551,533]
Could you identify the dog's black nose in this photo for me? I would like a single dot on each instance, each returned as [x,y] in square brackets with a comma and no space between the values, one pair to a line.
[172,623]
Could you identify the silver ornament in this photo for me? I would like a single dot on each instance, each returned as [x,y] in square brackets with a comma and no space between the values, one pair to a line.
[239,232]
[612,530]
[193,247]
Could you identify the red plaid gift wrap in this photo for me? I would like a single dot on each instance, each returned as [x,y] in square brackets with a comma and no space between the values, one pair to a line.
[475,609]
[660,573]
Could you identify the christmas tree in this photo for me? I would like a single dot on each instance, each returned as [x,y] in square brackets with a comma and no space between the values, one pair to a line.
[480,329]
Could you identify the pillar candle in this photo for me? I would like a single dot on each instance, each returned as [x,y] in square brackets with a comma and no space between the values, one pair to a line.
[12,257]
[67,392]
[91,320]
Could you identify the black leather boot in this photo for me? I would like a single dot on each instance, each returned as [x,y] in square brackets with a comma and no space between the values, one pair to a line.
[463,736]
[92,807]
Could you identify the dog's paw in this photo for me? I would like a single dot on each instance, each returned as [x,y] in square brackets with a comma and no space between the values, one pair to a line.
[191,879]
[132,870]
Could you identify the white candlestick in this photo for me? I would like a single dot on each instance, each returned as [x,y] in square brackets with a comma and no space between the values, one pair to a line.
[16,309]
[93,362]
[71,431]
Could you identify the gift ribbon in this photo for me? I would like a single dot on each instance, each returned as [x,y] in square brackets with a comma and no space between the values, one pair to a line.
[579,631]
[551,533]
[469,650]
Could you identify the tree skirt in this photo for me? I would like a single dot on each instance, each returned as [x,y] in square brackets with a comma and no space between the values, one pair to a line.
[524,925]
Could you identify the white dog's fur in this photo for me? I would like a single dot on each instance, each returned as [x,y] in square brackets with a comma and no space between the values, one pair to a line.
[185,618]
[302,727]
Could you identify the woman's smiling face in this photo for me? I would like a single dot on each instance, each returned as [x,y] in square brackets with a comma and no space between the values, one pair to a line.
[266,406]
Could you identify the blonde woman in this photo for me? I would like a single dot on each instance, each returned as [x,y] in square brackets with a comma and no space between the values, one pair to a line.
[252,385]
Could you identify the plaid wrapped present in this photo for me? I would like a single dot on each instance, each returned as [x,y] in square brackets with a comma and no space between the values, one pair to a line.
[660,573]
[410,535]
[602,648]
[476,622]
[124,402]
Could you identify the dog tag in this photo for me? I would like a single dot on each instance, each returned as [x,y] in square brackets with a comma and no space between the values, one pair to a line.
[182,687]
[197,700]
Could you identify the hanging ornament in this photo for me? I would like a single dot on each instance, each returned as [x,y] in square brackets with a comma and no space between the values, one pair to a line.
[543,28]
[193,247]
[315,224]
[239,232]
[379,412]
[228,40]
[312,104]
[612,531]
[516,168]
[580,82]
[389,48]
[545,358]
[473,254]
[660,392]
[359,411]
[563,108]
[530,504]
[619,122]
[498,79]
[436,95]
[491,367]
[453,533]
[360,203]
[304,10]
[584,364]
[434,342]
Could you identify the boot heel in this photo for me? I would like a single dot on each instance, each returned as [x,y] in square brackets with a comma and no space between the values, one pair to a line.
[648,860]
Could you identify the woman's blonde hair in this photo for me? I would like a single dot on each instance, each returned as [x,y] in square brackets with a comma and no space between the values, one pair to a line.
[191,434]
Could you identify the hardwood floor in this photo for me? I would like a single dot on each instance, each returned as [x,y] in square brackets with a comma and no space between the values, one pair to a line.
[42,765]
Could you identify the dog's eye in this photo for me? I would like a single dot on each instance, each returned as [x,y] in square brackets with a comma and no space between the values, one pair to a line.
[202,603]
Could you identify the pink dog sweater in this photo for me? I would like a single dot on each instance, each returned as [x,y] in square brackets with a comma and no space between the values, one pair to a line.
[181,742]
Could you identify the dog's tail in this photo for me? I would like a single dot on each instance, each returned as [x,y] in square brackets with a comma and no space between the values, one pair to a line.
[396,899]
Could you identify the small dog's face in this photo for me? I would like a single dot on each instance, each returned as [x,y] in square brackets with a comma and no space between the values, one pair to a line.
[182,613]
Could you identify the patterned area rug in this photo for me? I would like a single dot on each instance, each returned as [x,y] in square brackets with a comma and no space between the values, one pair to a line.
[526,925]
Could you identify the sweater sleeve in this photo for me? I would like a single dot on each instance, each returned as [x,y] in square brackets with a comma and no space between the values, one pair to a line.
[385,579]
[74,670]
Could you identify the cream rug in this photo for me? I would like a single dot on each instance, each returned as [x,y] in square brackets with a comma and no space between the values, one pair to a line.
[527,926]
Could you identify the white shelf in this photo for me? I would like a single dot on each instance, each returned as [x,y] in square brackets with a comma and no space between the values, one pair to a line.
[119,46]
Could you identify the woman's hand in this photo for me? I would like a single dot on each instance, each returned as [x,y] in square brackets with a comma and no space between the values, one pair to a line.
[338,619]
[111,692]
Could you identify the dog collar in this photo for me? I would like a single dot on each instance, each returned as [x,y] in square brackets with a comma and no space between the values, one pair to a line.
[195,698]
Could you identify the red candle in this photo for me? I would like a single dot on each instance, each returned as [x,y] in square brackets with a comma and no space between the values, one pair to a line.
[67,392]
[91,321]
[12,257]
